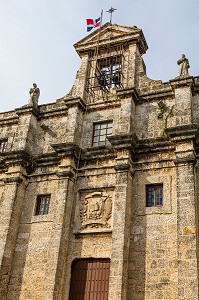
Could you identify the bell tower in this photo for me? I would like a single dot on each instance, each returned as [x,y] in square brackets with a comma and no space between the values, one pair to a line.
[110,56]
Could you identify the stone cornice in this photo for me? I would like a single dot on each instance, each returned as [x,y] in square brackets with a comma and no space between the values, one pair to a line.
[15,157]
[154,145]
[67,149]
[182,133]
[9,121]
[112,103]
[71,101]
[15,179]
[27,109]
[155,95]
[185,160]
[135,38]
[54,112]
[123,141]
[182,82]
[65,174]
[100,152]
[47,159]
[123,93]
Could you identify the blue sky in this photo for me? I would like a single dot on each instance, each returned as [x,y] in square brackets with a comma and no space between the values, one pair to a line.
[37,40]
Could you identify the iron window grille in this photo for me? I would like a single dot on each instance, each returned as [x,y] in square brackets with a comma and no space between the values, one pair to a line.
[3,145]
[100,133]
[109,72]
[42,204]
[154,195]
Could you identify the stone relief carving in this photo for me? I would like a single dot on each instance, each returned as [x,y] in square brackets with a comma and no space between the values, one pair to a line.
[96,210]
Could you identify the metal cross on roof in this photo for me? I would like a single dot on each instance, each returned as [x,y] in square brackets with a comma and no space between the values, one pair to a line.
[110,11]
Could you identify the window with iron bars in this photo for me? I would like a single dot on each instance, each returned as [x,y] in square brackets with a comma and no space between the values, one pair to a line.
[154,195]
[100,133]
[109,72]
[3,145]
[42,204]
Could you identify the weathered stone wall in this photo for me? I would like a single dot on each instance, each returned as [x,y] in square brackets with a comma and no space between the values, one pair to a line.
[153,244]
[153,250]
[147,123]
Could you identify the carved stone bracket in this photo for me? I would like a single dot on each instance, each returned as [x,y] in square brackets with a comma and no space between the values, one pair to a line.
[96,210]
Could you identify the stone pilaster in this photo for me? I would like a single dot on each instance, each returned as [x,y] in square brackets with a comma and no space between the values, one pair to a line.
[121,229]
[183,136]
[183,100]
[76,108]
[58,245]
[186,232]
[10,211]
[28,132]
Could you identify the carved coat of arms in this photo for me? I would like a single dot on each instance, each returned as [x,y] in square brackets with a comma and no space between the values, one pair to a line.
[96,210]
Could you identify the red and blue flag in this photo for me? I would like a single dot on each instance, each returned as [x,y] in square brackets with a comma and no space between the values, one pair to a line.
[93,23]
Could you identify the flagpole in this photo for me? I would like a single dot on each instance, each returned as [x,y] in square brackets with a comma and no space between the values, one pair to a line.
[99,32]
[101,18]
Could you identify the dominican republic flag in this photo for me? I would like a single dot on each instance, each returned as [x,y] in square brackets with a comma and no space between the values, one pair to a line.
[91,23]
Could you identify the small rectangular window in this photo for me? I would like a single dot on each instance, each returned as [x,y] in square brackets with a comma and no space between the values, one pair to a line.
[100,133]
[42,205]
[3,145]
[154,195]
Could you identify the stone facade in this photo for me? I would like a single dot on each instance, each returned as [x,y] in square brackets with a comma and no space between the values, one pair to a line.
[98,193]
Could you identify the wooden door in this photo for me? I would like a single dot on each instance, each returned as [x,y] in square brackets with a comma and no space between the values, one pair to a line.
[90,279]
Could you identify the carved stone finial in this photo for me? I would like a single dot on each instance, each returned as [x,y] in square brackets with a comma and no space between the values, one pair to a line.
[34,95]
[183,66]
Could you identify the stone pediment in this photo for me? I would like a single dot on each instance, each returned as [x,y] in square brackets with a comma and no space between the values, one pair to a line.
[109,34]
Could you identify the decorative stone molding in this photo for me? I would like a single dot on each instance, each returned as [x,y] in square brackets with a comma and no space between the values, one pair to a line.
[181,82]
[67,149]
[123,141]
[77,101]
[65,174]
[12,180]
[96,210]
[99,152]
[154,145]
[183,132]
[27,109]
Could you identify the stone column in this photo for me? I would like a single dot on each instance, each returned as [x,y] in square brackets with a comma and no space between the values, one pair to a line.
[10,212]
[121,229]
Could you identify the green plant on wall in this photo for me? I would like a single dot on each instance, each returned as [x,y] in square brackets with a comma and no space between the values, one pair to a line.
[164,110]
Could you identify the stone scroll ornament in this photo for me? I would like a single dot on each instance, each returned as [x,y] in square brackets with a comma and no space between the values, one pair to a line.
[96,210]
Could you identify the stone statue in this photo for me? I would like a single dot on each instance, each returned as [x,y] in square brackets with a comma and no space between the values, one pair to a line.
[34,95]
[183,66]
